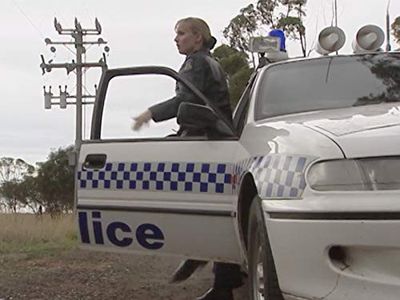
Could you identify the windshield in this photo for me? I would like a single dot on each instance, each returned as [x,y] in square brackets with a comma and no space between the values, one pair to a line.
[328,82]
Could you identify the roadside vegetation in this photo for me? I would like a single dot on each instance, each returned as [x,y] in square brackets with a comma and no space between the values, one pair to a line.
[36,234]
[45,187]
[39,259]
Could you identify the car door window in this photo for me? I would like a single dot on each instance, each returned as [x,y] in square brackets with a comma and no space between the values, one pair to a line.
[129,96]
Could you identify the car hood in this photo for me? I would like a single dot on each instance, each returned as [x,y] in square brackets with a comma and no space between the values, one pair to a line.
[361,131]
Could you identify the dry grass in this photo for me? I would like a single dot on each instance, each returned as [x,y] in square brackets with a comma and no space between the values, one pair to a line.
[25,233]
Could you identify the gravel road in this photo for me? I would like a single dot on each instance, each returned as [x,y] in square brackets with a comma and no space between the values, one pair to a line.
[79,274]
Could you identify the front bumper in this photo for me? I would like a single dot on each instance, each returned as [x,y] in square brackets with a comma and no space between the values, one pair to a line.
[343,246]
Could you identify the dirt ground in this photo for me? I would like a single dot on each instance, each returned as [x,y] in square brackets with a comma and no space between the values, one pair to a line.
[79,274]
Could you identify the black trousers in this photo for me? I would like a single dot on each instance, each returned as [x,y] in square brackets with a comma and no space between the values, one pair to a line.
[228,276]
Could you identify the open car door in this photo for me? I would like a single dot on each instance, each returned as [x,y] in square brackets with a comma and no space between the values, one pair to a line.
[166,195]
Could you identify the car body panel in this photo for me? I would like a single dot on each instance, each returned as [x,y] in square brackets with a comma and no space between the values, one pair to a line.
[310,273]
[354,130]
[197,216]
[141,179]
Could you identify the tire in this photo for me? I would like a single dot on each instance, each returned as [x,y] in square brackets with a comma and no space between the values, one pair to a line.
[263,281]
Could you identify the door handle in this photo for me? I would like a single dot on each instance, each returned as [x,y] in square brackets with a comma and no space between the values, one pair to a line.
[95,161]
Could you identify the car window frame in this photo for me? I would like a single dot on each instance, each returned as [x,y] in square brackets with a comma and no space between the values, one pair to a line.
[240,115]
[258,117]
[109,74]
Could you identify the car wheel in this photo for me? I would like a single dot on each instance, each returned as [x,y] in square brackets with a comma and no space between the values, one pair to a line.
[263,281]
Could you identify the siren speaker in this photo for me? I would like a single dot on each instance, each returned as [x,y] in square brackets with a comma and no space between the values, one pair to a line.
[368,38]
[330,39]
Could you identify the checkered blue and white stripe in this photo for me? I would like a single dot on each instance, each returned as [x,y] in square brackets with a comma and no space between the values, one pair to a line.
[275,175]
[159,176]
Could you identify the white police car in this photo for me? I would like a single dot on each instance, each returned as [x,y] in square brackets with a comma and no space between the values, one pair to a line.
[304,191]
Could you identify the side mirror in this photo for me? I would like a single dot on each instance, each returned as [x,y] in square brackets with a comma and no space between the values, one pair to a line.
[203,118]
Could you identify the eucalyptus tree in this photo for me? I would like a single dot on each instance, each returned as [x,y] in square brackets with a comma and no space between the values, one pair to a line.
[396,29]
[12,173]
[237,69]
[14,169]
[263,15]
[55,182]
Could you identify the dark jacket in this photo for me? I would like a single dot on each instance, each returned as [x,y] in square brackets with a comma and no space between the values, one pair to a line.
[206,74]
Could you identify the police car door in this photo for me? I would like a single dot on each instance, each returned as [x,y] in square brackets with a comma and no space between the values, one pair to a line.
[169,195]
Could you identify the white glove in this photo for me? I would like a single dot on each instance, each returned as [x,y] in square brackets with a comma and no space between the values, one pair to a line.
[141,119]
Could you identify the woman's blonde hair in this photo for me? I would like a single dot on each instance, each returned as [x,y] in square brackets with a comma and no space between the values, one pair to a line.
[199,26]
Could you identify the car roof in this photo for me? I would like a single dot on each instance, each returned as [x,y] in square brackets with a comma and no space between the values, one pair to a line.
[301,58]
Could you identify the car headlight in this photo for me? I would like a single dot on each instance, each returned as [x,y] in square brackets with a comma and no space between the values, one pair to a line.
[362,174]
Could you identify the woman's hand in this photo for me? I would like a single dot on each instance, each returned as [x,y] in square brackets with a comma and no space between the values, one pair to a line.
[141,119]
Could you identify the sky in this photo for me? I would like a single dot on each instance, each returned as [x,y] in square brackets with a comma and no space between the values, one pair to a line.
[137,32]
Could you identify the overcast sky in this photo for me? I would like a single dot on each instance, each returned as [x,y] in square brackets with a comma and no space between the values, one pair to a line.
[138,32]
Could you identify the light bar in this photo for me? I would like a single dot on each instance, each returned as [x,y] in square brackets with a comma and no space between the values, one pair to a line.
[264,44]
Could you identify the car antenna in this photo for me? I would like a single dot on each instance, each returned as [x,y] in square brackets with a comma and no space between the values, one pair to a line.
[388,46]
[335,12]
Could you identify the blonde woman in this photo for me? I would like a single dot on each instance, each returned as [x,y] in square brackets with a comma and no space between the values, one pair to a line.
[193,39]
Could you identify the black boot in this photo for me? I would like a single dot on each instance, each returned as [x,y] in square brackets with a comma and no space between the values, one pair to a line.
[217,294]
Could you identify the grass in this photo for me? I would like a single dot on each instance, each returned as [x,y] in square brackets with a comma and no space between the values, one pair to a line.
[31,234]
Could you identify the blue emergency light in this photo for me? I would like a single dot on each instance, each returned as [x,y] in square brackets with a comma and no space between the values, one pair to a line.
[281,35]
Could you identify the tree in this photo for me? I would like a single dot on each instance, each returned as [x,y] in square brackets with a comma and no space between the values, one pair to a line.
[238,83]
[55,181]
[253,20]
[230,59]
[386,70]
[241,28]
[28,195]
[12,173]
[396,29]
[236,67]
[287,15]
[9,190]
[14,169]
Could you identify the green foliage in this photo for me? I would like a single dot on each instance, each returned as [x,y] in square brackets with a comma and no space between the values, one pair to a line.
[238,83]
[50,186]
[55,181]
[224,51]
[233,64]
[241,28]
[12,175]
[292,25]
[28,194]
[253,20]
[236,67]
[14,169]
[230,59]
[9,190]
[396,29]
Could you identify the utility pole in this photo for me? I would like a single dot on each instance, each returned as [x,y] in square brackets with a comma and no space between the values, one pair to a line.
[78,33]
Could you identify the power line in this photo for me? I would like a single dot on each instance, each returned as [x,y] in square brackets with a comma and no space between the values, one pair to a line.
[27,18]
